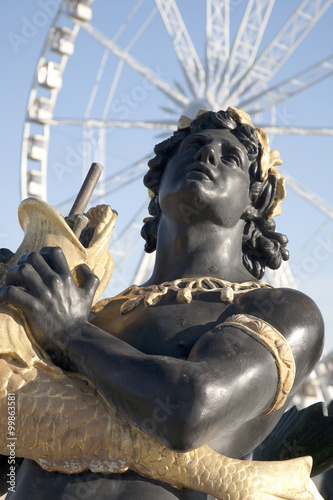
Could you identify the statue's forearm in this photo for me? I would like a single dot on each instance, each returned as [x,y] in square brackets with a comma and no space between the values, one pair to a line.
[155,393]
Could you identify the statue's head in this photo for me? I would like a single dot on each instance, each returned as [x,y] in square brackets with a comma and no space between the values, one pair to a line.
[262,245]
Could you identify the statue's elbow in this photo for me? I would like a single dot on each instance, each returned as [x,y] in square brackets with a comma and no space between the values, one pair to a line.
[184,423]
[184,436]
[185,431]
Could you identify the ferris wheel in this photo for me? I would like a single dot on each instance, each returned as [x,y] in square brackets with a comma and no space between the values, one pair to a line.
[130,79]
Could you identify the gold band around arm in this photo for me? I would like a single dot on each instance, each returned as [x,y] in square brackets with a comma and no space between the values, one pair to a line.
[277,345]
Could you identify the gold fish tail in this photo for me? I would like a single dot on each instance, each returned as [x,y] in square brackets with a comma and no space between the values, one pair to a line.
[229,479]
[62,424]
[287,480]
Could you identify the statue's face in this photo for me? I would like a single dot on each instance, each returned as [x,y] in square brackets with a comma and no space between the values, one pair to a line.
[207,178]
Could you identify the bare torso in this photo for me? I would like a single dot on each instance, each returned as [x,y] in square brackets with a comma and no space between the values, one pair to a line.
[167,329]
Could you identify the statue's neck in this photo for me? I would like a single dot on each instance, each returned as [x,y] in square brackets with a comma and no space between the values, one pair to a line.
[199,250]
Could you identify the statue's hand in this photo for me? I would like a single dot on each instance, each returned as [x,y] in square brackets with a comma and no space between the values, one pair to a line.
[5,255]
[42,286]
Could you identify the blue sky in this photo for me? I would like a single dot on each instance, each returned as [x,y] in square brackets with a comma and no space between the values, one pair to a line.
[24,28]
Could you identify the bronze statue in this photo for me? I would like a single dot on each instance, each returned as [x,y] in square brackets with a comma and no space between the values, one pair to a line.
[147,395]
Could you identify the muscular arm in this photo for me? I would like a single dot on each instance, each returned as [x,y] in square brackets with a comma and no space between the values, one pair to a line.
[180,402]
[227,379]
[297,317]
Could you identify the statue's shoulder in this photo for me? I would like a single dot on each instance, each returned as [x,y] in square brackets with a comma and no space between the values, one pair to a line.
[295,316]
[284,305]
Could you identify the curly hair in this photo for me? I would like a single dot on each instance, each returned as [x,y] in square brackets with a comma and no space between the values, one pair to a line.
[262,246]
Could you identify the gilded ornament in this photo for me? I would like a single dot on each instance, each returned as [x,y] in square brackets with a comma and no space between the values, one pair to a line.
[185,288]
[277,345]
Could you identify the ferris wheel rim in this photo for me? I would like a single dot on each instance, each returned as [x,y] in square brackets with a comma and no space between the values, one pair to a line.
[212,6]
[195,72]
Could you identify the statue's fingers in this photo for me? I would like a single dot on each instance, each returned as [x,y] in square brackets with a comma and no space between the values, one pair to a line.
[39,264]
[55,259]
[17,297]
[5,255]
[24,275]
[90,280]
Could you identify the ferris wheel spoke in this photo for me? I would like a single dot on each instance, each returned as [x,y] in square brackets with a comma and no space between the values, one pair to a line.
[114,182]
[183,46]
[135,224]
[282,46]
[291,87]
[120,66]
[308,195]
[129,17]
[117,185]
[140,68]
[324,131]
[91,122]
[247,41]
[113,88]
[217,43]
[96,84]
[122,247]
